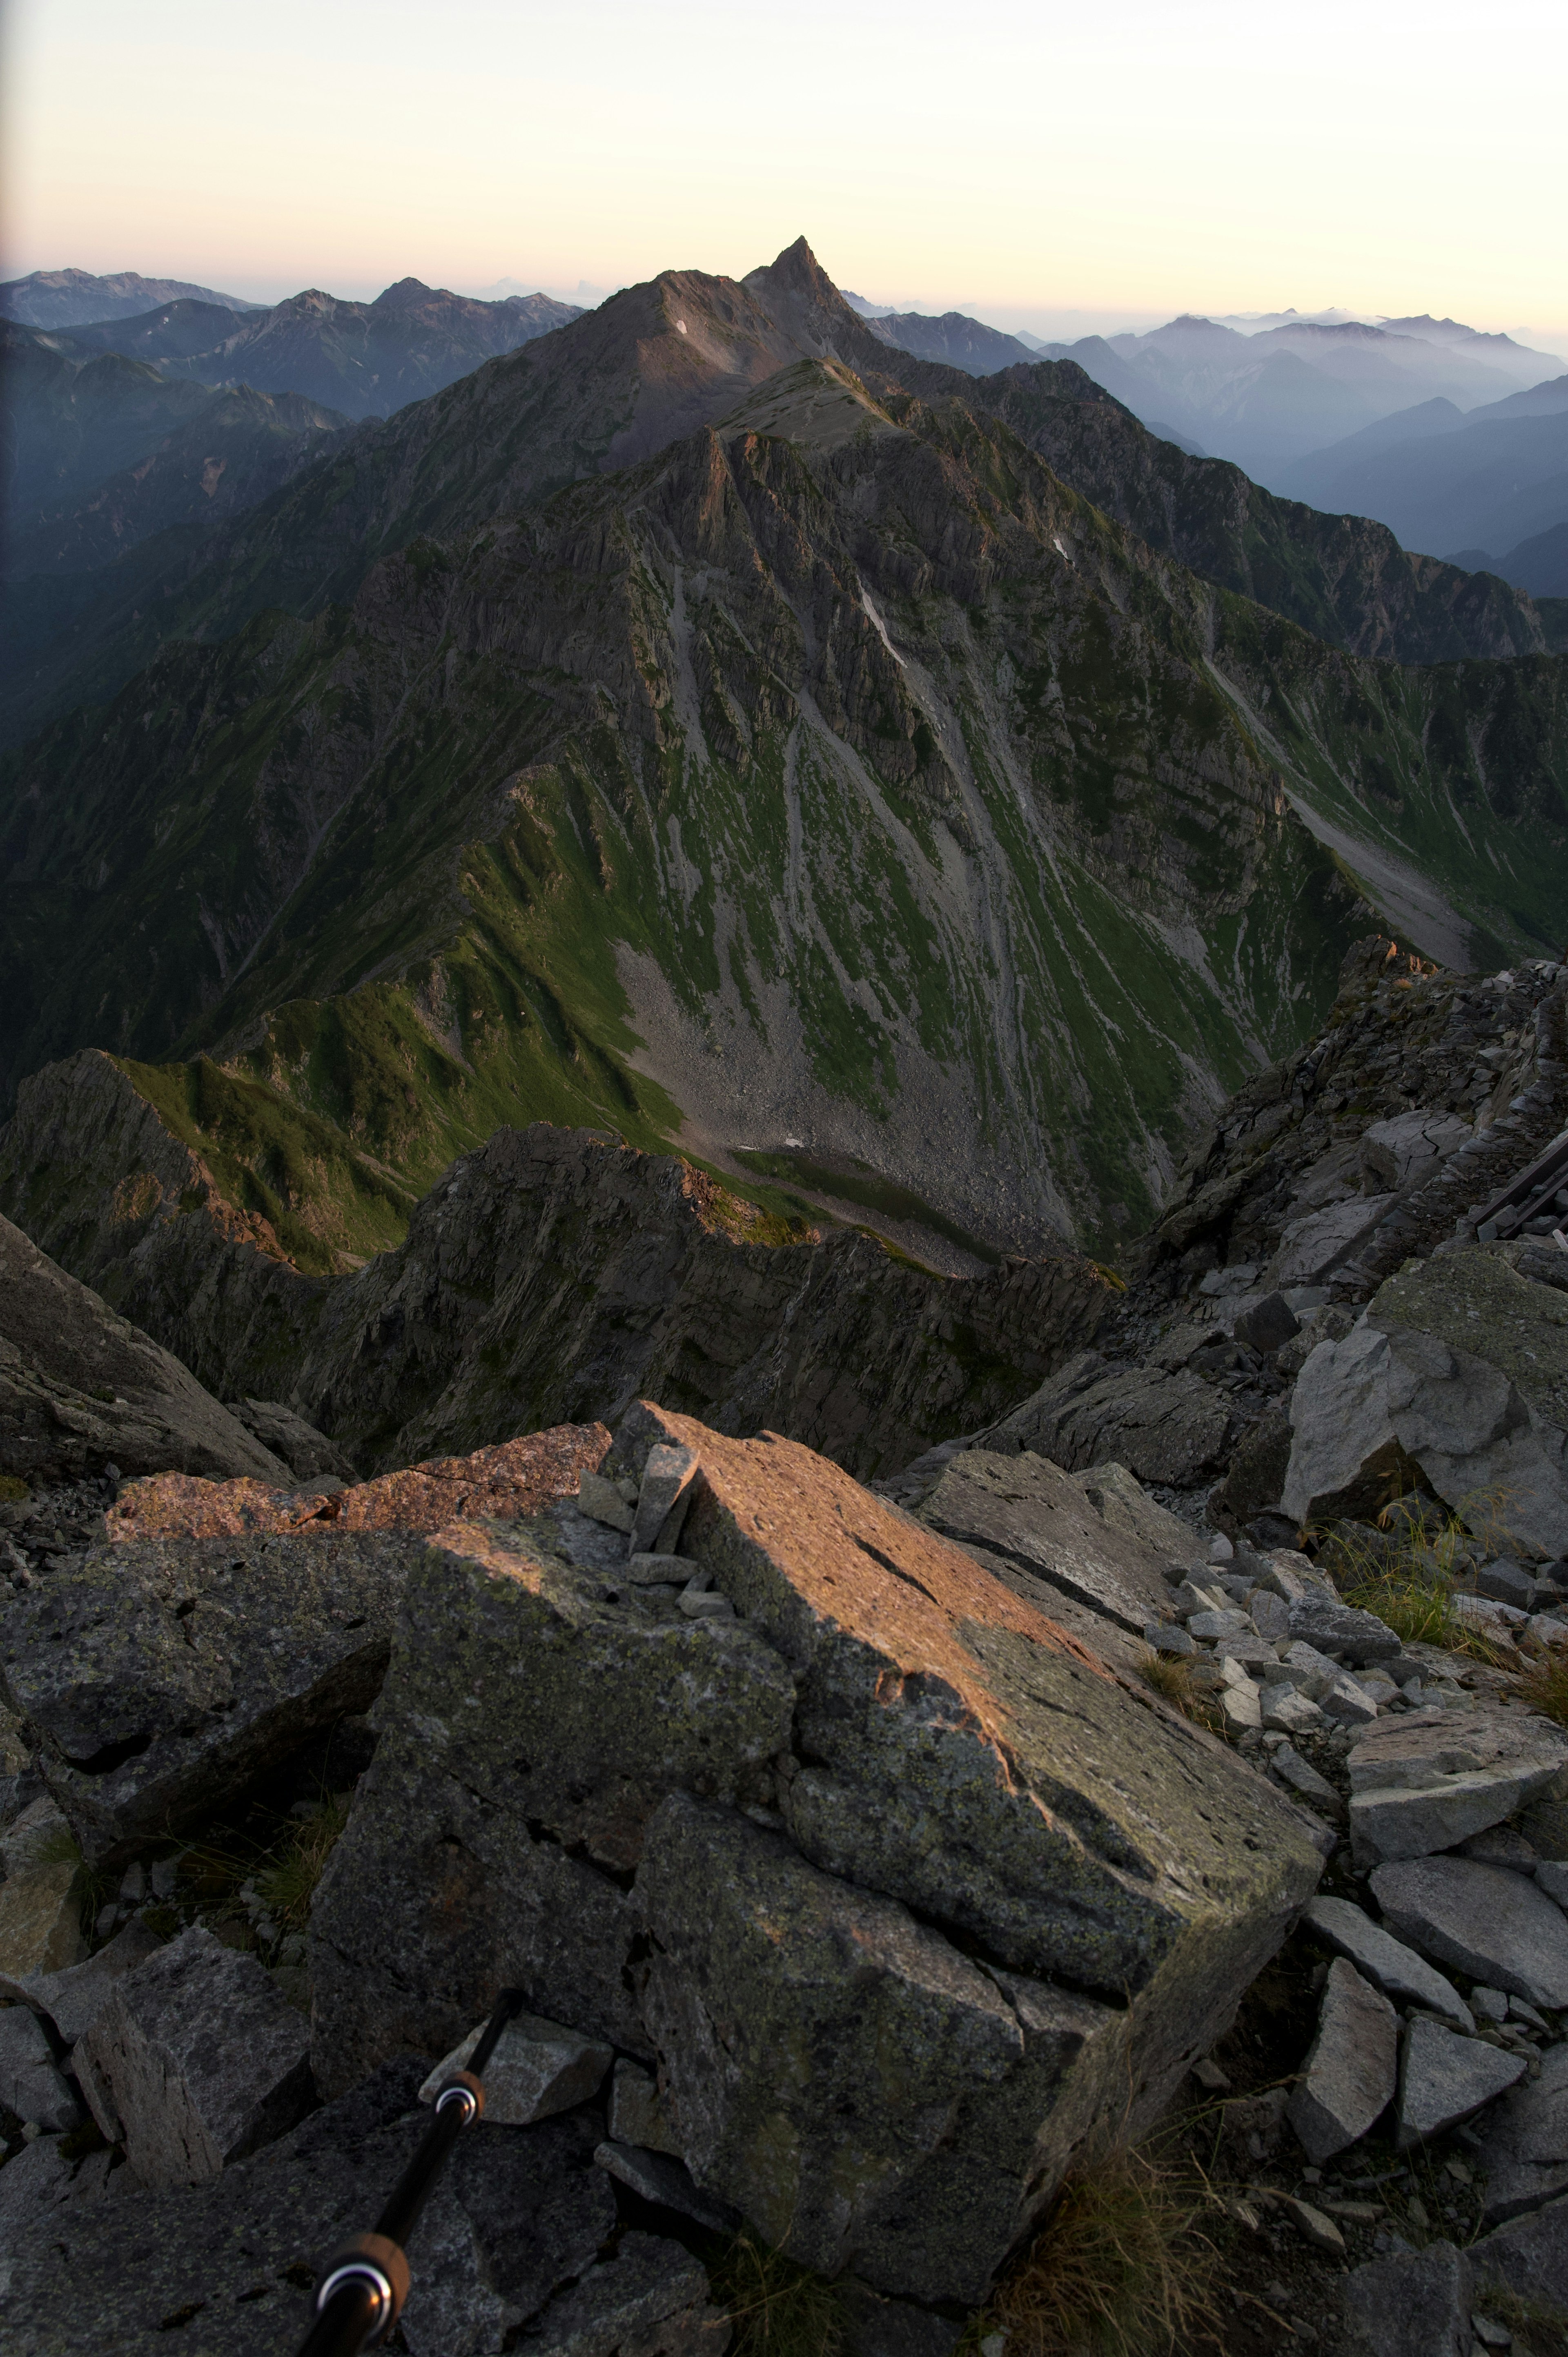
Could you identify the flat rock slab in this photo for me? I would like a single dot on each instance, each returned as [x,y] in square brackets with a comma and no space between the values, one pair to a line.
[1122,1503]
[203,2059]
[1427,1782]
[515,1478]
[512,2236]
[1415,2304]
[1384,1961]
[1033,1514]
[1524,2143]
[162,1678]
[537,2069]
[1351,2069]
[1480,1920]
[82,1388]
[1445,2080]
[752,1852]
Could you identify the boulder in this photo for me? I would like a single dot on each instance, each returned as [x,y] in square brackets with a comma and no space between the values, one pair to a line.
[1303,1777]
[162,1677]
[1384,1961]
[1523,2143]
[757,1854]
[665,2180]
[1445,2078]
[1415,2304]
[537,2069]
[80,1388]
[1348,2081]
[1340,1632]
[1456,1374]
[1479,1920]
[636,2113]
[1426,1782]
[1529,2257]
[1167,1426]
[1312,1247]
[1022,1514]
[1266,1323]
[1405,1151]
[1122,1503]
[30,2083]
[509,2244]
[74,1999]
[202,2058]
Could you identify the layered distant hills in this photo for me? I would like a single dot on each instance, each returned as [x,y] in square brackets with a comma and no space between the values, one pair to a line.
[66,298]
[710,721]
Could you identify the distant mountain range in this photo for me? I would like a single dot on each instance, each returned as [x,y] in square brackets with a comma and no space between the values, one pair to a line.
[1539,564]
[67,298]
[1493,477]
[1270,398]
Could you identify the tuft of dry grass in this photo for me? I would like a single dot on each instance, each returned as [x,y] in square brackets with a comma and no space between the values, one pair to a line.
[13,1490]
[778,2308]
[1545,1687]
[287,1886]
[1122,2267]
[1170,1675]
[1409,1579]
[1537,2329]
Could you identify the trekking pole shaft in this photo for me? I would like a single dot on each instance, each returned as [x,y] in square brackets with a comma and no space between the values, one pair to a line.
[345,2324]
[408,2196]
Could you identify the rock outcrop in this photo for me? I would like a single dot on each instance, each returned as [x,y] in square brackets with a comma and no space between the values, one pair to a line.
[221,1625]
[757,1833]
[80,1388]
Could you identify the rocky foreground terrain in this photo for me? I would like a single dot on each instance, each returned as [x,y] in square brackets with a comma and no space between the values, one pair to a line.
[909,1738]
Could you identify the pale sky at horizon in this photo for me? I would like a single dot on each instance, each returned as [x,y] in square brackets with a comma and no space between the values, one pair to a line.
[1050,165]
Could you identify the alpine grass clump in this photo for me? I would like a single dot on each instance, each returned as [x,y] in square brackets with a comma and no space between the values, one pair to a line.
[777,2308]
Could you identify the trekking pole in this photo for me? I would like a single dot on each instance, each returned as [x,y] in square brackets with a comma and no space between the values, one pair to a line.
[362,2288]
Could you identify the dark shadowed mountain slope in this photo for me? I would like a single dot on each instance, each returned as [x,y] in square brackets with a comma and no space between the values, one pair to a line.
[66,299]
[68,424]
[622,382]
[836,773]
[238,447]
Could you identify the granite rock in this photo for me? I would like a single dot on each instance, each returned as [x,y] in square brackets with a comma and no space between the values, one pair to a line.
[1029,1514]
[1424,1782]
[1445,2078]
[203,2059]
[1384,1961]
[1479,1920]
[74,1998]
[1529,2256]
[1350,2071]
[1524,2143]
[1170,1428]
[1414,2303]
[536,2070]
[31,2084]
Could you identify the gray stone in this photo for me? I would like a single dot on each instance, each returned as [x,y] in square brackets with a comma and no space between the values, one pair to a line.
[1529,2257]
[1266,1323]
[164,1676]
[1167,1428]
[1311,1248]
[1303,1777]
[538,2068]
[1507,1583]
[40,1921]
[1350,2070]
[1291,1713]
[1210,1627]
[1415,2304]
[1445,2080]
[74,1998]
[1480,1920]
[80,1388]
[1500,1845]
[1386,1961]
[1166,1637]
[1424,1782]
[1491,2004]
[1350,1704]
[649,2300]
[203,2058]
[1523,2143]
[663,1500]
[1030,1513]
[1406,1150]
[1340,1632]
[308,1454]
[1271,1615]
[665,2180]
[1198,1593]
[602,1501]
[30,2084]
[1552,1876]
[636,2113]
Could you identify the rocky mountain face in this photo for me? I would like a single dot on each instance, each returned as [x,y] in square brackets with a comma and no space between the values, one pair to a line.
[950,337]
[72,423]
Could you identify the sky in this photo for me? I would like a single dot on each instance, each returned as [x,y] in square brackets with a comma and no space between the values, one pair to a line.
[1046,166]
